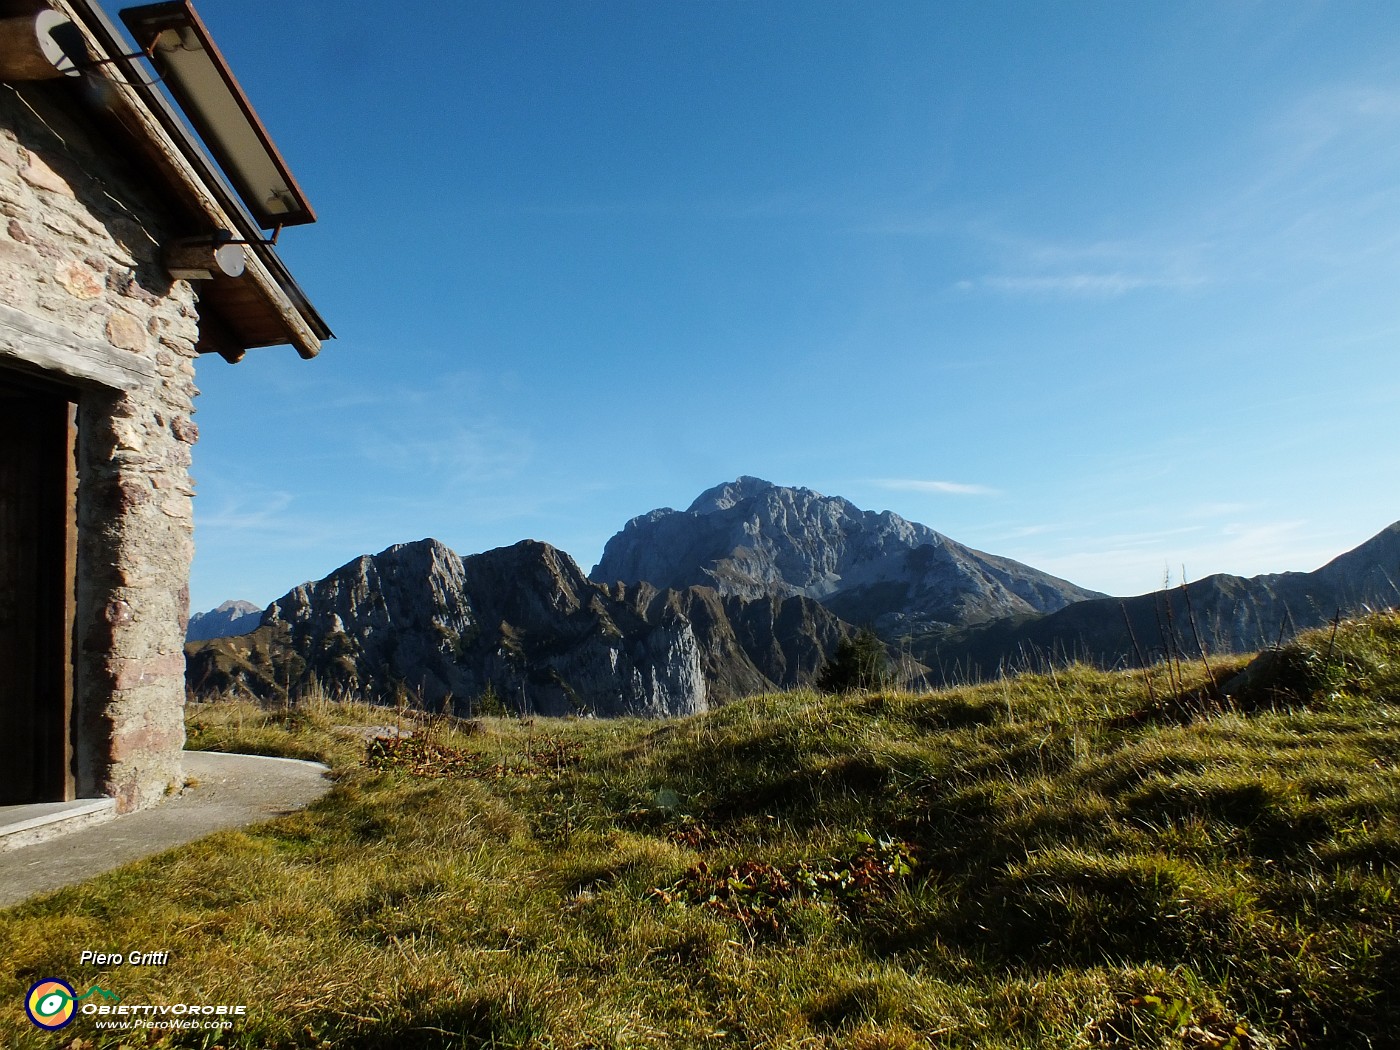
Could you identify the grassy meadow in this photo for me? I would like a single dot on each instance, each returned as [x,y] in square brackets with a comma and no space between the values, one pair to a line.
[1072,860]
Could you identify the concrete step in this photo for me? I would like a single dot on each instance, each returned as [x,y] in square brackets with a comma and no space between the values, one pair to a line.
[41,821]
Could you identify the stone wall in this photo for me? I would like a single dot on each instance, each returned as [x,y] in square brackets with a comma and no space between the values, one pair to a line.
[79,236]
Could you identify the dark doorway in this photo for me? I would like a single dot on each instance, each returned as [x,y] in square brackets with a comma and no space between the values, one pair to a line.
[38,543]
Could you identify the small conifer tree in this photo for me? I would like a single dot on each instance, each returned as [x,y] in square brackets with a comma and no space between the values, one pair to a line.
[859,663]
[490,704]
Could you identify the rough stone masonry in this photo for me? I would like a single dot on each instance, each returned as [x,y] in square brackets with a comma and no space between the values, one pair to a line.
[79,236]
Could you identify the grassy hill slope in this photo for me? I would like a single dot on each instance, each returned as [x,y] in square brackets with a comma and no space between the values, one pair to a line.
[1072,860]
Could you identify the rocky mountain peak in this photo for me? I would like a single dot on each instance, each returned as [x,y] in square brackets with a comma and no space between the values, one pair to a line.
[730,494]
[237,607]
[751,538]
[225,620]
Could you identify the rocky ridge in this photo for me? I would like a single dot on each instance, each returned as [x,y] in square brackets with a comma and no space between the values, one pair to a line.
[1222,613]
[520,627]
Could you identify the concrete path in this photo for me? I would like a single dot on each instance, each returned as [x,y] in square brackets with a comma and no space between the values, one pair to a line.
[231,791]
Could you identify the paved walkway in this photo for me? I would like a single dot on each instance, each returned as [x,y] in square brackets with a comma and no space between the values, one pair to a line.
[231,791]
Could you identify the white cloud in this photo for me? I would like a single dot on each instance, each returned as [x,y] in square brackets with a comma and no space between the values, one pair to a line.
[949,488]
[1017,264]
[249,511]
[1079,285]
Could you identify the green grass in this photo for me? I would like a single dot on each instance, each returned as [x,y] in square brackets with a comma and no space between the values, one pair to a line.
[1073,860]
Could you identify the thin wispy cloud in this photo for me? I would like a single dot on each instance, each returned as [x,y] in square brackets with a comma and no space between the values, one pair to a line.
[946,488]
[449,454]
[284,519]
[251,511]
[912,221]
[1021,532]
[767,205]
[431,447]
[1018,264]
[1217,510]
[1078,285]
[1340,111]
[1050,254]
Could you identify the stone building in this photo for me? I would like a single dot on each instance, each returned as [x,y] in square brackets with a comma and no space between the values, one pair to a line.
[126,251]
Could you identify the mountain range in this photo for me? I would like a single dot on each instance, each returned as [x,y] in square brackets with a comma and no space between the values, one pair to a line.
[751,588]
[1220,613]
[520,627]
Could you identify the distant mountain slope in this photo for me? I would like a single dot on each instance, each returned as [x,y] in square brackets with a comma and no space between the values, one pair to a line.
[750,538]
[1227,614]
[521,624]
[228,619]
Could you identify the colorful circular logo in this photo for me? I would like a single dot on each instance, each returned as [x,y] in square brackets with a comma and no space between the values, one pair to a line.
[51,1003]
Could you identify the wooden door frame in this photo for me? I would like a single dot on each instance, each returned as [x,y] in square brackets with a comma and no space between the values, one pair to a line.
[57,597]
[66,779]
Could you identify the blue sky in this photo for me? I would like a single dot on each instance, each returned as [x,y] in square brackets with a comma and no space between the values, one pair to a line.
[1109,288]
